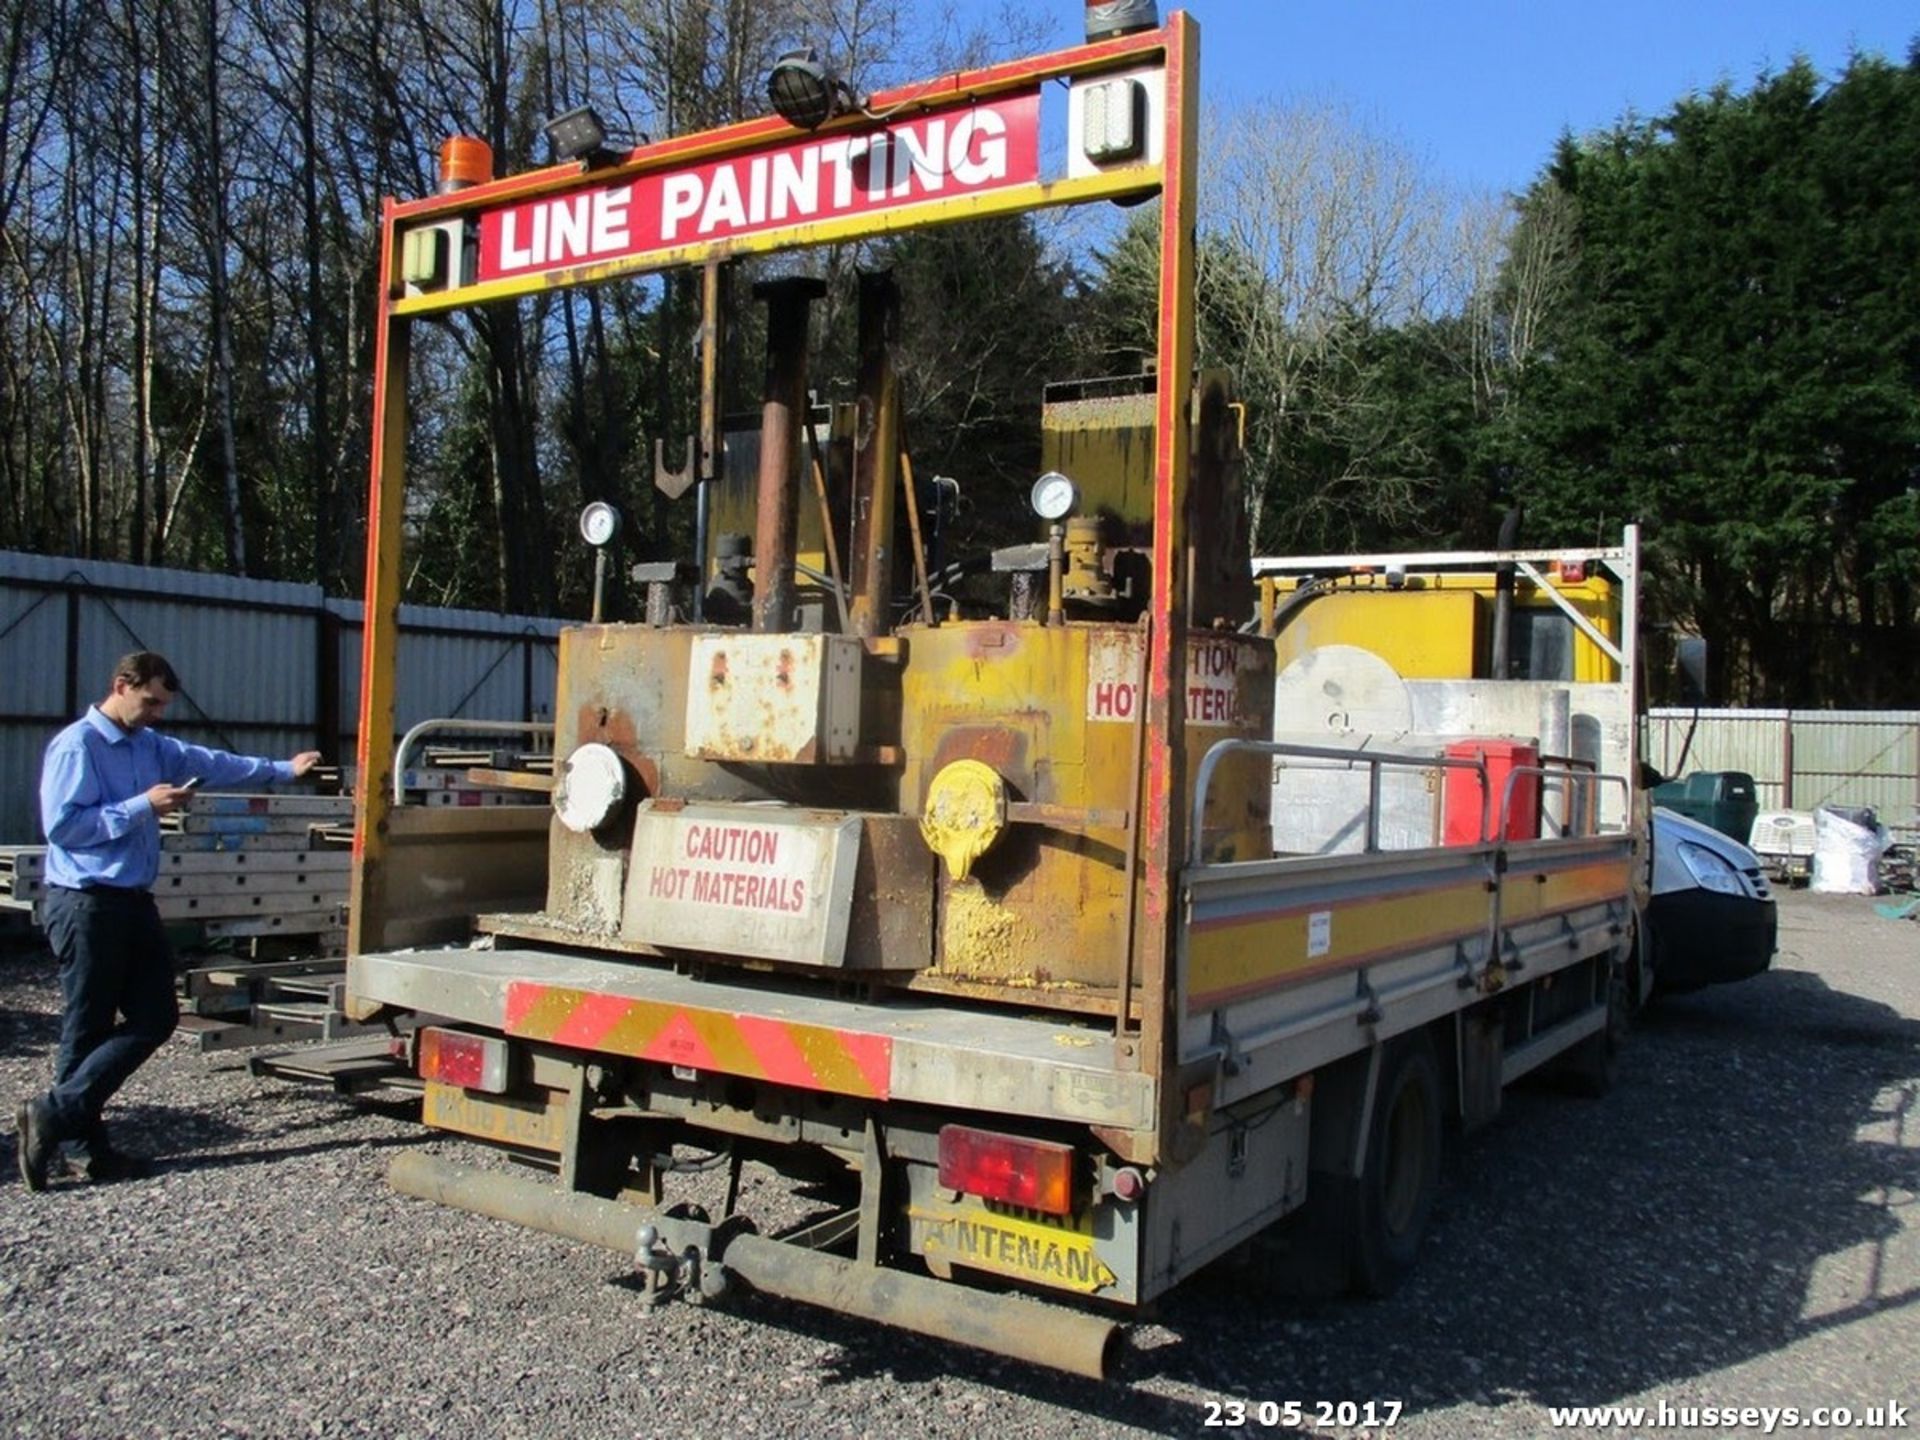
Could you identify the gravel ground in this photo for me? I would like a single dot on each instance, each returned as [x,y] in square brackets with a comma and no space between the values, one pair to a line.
[1735,1225]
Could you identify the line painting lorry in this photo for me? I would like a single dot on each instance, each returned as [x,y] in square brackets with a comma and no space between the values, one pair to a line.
[1066,941]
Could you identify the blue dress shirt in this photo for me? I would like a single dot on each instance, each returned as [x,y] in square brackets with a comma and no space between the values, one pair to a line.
[101,830]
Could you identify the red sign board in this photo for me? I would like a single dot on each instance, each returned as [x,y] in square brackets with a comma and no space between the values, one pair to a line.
[937,155]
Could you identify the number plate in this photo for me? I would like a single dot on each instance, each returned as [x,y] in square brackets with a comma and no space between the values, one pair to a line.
[528,1124]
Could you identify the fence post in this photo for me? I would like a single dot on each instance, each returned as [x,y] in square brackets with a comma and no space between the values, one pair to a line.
[73,649]
[1786,762]
[326,683]
[526,676]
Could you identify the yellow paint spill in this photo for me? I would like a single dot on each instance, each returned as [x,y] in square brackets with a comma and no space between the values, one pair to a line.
[983,940]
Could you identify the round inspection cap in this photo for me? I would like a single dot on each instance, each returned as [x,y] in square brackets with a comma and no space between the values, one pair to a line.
[590,788]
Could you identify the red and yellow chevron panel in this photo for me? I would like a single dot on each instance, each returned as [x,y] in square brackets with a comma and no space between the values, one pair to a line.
[812,1057]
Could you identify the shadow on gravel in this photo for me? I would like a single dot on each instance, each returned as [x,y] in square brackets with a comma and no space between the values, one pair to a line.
[28,1032]
[1720,1204]
[863,1351]
[176,1138]
[270,1154]
[181,1138]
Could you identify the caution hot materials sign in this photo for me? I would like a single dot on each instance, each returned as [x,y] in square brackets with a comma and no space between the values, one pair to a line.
[941,155]
[1212,682]
[775,886]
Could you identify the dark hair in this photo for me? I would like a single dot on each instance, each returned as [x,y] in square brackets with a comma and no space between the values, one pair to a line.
[144,665]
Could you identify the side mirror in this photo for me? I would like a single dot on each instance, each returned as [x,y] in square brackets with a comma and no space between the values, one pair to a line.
[1691,655]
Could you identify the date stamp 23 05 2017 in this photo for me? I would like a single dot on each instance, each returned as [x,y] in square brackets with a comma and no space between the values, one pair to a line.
[1372,1415]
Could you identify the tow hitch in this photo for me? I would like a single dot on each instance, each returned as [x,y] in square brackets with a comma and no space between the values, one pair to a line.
[665,1272]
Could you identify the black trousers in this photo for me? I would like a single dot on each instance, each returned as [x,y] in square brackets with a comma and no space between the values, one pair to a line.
[116,972]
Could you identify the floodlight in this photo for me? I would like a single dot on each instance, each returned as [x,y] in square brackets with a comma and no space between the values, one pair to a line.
[805,93]
[579,135]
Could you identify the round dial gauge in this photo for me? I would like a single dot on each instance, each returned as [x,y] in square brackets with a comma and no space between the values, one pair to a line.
[1054,496]
[599,523]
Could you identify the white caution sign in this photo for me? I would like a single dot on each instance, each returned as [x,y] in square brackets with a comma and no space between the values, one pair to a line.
[1212,680]
[742,880]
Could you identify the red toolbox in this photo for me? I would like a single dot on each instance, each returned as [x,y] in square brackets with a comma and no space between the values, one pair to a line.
[1502,757]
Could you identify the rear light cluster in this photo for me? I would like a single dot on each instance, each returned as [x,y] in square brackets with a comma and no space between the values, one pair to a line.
[454,1057]
[1033,1174]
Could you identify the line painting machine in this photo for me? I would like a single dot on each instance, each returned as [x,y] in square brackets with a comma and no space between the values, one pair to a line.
[970,909]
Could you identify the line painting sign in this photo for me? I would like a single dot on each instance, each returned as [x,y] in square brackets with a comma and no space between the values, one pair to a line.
[940,155]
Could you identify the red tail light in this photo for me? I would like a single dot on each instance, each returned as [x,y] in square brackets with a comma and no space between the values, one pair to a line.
[1035,1174]
[453,1057]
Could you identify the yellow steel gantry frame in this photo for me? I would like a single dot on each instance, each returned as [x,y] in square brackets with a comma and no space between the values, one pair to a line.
[1173,50]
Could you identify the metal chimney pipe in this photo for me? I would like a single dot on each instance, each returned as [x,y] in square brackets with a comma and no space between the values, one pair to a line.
[876,459]
[784,396]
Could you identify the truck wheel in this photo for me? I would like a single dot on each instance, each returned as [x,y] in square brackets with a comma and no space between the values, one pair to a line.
[1395,1193]
[1591,1066]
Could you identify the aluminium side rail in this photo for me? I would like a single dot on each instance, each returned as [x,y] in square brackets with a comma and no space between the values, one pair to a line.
[1562,768]
[472,727]
[1374,760]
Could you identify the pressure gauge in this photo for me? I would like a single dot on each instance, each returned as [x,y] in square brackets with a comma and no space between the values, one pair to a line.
[599,523]
[1054,496]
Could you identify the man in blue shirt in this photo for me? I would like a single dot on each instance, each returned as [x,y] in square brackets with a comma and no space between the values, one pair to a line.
[107,780]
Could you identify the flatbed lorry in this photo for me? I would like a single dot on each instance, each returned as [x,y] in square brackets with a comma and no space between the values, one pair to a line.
[1069,938]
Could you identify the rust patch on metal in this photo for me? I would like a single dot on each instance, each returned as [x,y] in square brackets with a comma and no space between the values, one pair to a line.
[608,726]
[993,641]
[648,773]
[1005,750]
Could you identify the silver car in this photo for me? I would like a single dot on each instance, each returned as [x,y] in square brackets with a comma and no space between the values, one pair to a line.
[1712,917]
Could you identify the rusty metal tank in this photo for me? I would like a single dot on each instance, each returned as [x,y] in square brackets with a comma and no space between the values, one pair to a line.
[1053,710]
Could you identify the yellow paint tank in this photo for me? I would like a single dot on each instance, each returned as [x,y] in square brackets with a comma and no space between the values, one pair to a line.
[1053,710]
[1438,626]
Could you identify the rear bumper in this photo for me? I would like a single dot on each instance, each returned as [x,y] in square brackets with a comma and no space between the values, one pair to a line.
[911,1050]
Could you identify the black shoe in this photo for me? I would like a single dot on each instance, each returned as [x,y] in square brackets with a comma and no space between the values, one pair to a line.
[34,1140]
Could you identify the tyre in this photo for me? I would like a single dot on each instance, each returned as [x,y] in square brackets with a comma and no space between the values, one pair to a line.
[1591,1066]
[1395,1193]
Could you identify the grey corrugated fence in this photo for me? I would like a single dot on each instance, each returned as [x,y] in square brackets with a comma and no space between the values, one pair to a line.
[1800,759]
[265,667]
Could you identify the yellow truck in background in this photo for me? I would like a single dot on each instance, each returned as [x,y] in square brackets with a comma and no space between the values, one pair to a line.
[1068,934]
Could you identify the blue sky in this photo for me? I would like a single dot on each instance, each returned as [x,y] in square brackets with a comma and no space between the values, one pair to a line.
[1482,88]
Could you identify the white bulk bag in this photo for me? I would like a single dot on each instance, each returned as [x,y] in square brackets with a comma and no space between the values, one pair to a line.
[1846,852]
